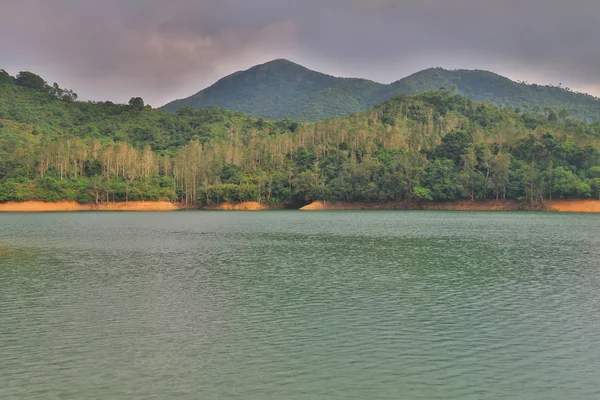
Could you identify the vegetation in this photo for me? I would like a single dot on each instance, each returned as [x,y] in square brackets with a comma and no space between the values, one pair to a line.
[280,89]
[435,146]
[498,90]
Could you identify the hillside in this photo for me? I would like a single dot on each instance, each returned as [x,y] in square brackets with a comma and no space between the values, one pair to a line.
[281,89]
[500,91]
[435,146]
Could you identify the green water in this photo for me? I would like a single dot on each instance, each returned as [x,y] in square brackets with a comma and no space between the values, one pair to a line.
[292,305]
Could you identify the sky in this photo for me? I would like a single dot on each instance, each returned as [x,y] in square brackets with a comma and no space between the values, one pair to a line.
[162,50]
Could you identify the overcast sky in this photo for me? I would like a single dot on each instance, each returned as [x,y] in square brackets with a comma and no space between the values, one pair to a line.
[167,49]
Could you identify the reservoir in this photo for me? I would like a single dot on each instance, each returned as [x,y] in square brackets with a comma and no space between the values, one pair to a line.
[300,305]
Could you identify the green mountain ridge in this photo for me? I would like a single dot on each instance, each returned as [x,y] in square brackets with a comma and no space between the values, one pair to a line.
[281,88]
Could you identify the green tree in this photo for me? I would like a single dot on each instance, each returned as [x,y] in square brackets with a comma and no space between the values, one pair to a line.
[564,183]
[500,174]
[454,145]
[422,193]
[5,78]
[472,179]
[136,103]
[231,174]
[305,187]
[442,180]
[563,114]
[31,81]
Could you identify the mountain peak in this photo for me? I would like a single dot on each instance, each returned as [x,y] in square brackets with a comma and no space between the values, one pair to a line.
[279,62]
[281,88]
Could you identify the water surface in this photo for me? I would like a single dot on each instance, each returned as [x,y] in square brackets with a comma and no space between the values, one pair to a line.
[292,305]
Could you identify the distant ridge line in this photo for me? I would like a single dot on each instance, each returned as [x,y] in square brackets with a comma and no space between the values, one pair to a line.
[283,88]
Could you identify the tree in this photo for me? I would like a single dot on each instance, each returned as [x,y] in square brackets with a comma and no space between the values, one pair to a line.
[563,114]
[454,145]
[97,187]
[137,103]
[533,184]
[441,180]
[583,189]
[564,183]
[305,185]
[31,81]
[550,114]
[232,174]
[471,178]
[5,78]
[500,174]
[594,181]
[422,193]
[486,158]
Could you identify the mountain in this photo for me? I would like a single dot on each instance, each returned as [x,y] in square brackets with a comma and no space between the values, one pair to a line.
[281,88]
[500,91]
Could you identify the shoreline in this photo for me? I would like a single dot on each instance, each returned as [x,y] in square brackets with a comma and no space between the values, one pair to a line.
[67,206]
[244,206]
[42,206]
[573,205]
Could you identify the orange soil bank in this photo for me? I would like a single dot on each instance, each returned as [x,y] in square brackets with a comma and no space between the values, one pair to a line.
[40,206]
[574,205]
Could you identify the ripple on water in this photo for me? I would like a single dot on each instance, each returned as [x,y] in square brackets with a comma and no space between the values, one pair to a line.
[378,305]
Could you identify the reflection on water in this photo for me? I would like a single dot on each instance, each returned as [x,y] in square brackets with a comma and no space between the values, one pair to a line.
[16,255]
[276,305]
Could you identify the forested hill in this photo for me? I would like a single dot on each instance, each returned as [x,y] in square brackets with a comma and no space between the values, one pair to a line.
[281,89]
[434,146]
[495,89]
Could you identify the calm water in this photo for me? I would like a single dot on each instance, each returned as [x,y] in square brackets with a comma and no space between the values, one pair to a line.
[291,305]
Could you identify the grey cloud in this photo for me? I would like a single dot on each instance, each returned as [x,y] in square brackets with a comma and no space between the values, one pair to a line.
[163,49]
[156,49]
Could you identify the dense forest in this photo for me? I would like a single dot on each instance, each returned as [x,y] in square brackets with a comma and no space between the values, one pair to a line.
[435,146]
[281,88]
[500,91]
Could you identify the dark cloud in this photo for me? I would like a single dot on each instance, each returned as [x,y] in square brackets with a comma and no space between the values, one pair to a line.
[164,49]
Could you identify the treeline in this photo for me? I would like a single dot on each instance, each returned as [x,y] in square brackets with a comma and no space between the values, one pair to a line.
[430,147]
